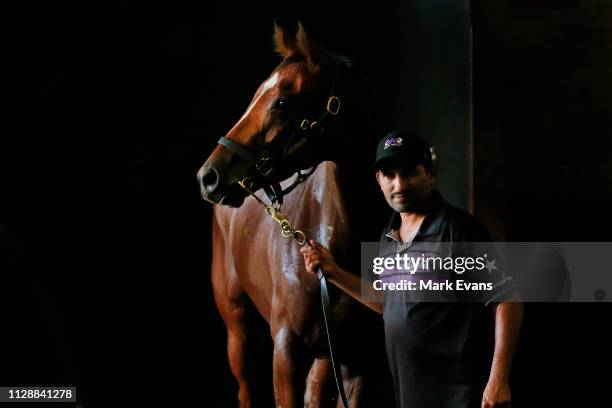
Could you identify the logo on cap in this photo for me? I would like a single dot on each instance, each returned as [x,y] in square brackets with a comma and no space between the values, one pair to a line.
[394,141]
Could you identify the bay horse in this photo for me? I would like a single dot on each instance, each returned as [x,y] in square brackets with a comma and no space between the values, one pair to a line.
[255,271]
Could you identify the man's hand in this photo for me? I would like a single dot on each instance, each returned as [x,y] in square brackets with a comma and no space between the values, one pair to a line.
[317,255]
[496,394]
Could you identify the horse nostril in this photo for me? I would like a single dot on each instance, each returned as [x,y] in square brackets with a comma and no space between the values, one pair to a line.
[210,179]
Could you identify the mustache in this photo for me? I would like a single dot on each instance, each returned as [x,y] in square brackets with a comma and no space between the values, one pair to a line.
[403,192]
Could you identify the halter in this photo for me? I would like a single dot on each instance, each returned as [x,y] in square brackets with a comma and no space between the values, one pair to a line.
[264,163]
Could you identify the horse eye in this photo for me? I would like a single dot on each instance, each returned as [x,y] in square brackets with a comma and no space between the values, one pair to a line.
[281,103]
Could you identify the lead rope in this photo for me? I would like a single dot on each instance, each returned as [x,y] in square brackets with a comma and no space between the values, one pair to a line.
[289,231]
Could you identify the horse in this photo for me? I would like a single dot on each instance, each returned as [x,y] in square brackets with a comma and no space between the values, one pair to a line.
[308,115]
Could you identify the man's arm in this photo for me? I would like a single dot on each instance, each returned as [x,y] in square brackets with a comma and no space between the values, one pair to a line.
[508,319]
[317,255]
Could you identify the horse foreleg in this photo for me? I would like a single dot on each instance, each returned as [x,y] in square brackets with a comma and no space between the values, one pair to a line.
[353,388]
[237,312]
[366,389]
[237,349]
[238,343]
[289,366]
[247,354]
[318,384]
[321,383]
[321,378]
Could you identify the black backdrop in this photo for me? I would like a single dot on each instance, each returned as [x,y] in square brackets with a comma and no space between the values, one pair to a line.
[105,240]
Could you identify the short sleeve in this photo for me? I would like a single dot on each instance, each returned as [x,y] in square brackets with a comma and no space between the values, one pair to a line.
[487,280]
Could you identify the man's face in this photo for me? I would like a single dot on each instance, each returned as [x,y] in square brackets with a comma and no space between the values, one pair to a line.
[406,190]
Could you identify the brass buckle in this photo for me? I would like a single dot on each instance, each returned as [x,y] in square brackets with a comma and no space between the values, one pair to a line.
[246,183]
[333,105]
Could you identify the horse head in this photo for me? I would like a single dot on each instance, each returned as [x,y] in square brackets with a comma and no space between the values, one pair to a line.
[276,136]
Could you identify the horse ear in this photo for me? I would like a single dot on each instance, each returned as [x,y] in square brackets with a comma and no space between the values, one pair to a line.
[307,46]
[284,42]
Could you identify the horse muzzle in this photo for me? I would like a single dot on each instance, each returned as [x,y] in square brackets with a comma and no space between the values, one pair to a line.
[215,191]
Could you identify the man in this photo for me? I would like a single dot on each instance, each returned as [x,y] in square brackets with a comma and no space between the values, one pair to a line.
[437,351]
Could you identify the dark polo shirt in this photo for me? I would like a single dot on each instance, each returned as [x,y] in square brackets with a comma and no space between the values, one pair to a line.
[440,352]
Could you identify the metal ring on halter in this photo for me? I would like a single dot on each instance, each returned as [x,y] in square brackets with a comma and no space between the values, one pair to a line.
[246,182]
[299,237]
[333,105]
[313,125]
[304,124]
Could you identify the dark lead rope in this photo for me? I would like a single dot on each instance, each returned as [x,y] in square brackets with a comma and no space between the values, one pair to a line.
[326,310]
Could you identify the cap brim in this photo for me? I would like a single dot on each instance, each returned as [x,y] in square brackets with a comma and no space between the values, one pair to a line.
[393,162]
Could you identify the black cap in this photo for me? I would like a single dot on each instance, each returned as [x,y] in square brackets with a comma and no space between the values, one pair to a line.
[402,149]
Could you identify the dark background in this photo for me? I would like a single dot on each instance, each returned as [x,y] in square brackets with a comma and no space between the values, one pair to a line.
[105,239]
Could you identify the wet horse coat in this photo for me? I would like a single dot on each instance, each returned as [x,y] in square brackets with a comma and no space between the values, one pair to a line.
[251,258]
[254,268]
